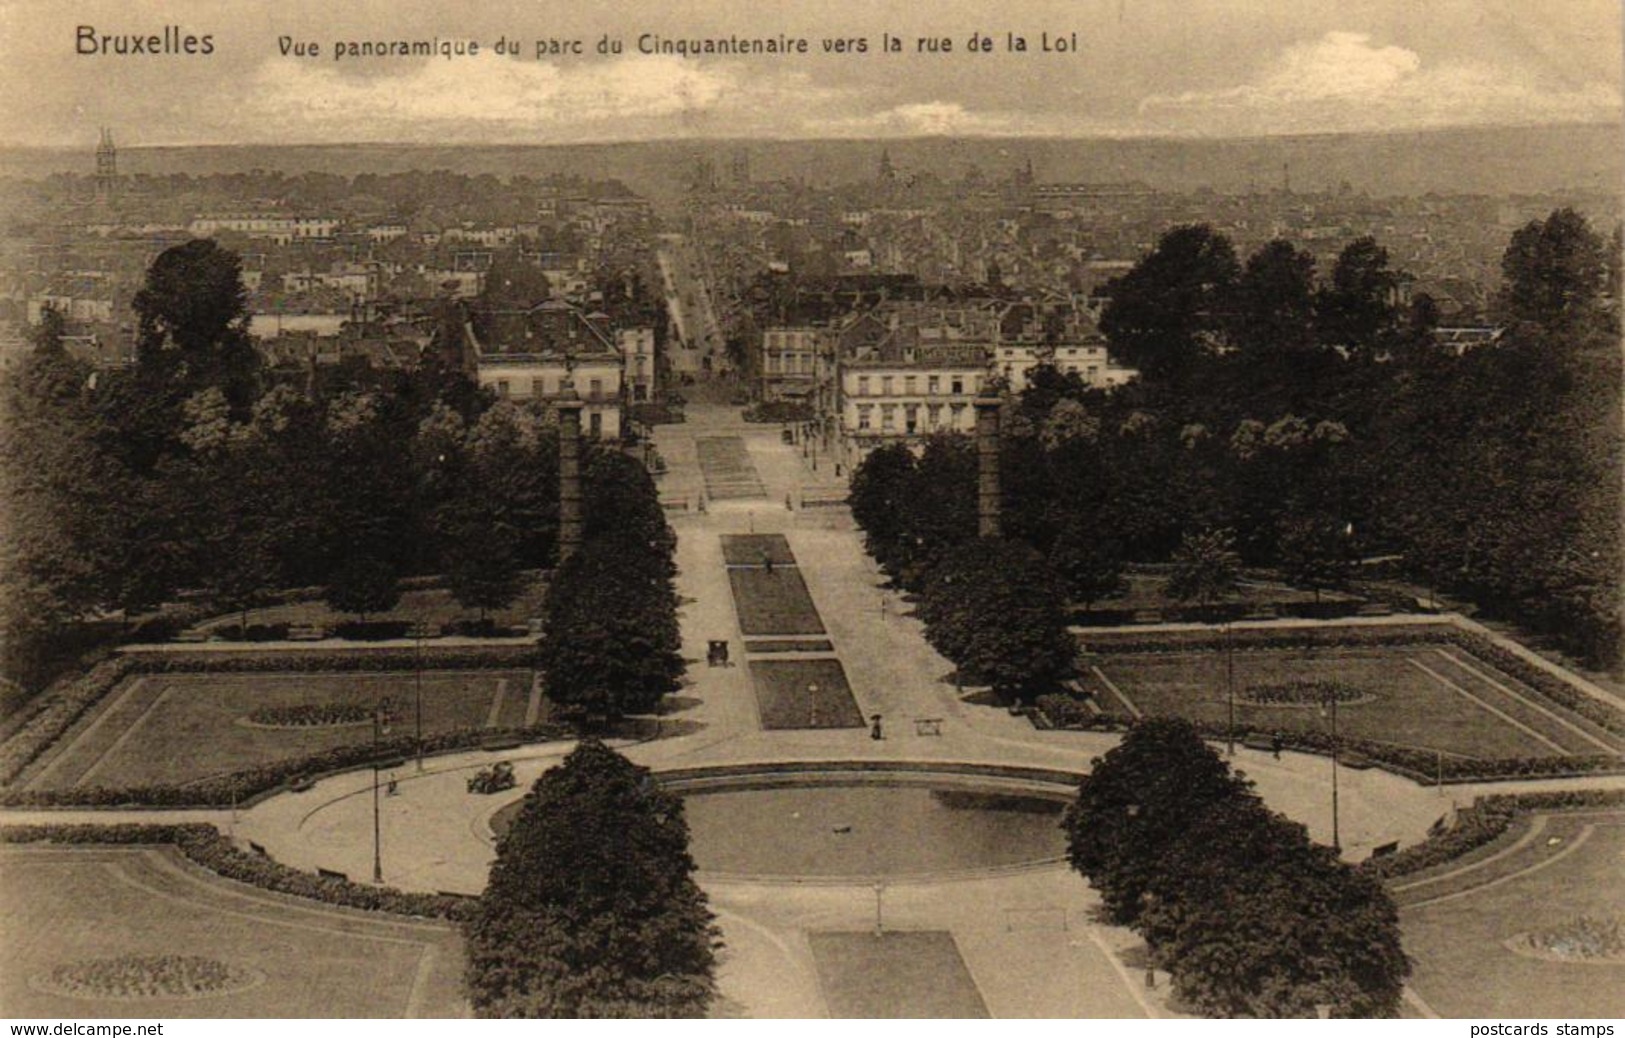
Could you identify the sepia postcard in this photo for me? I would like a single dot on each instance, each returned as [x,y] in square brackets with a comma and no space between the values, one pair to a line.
[1062,509]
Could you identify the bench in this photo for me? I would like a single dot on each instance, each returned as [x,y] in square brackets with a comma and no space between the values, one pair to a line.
[305,633]
[192,634]
[928,726]
[331,874]
[1259,742]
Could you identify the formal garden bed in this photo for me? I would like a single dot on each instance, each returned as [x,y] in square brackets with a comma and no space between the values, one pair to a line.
[1305,693]
[1584,939]
[1486,819]
[133,977]
[310,715]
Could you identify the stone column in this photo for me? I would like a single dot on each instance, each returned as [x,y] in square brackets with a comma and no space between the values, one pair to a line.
[987,405]
[569,408]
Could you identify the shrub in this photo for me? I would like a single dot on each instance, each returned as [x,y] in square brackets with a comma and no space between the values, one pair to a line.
[310,715]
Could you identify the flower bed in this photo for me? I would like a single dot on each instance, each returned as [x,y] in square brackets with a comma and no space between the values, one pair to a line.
[1304,693]
[310,715]
[1485,820]
[205,845]
[147,976]
[1582,939]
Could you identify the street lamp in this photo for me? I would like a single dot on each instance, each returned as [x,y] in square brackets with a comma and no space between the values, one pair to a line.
[417,658]
[380,727]
[1331,698]
[1230,686]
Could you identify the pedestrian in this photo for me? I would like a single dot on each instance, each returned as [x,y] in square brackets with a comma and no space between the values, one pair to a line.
[1275,746]
[875,732]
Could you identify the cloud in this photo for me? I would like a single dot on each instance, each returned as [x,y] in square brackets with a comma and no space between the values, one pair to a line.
[476,98]
[1345,82]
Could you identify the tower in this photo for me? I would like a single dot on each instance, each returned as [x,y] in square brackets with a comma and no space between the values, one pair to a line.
[106,168]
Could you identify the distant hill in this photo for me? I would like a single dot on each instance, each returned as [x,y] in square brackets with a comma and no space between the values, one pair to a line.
[1497,161]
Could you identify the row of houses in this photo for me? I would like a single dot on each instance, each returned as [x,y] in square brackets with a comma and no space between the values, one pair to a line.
[901,370]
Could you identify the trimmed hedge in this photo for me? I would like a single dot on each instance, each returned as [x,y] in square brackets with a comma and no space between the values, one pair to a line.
[1419,765]
[1486,820]
[204,845]
[64,704]
[245,786]
[402,658]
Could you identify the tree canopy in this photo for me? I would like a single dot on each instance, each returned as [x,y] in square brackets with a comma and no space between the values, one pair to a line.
[591,909]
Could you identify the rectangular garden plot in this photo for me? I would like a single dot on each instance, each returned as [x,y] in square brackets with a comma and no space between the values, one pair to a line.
[903,975]
[757,549]
[804,694]
[775,602]
[177,728]
[1411,695]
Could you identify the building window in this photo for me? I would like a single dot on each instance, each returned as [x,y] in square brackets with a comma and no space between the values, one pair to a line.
[911,419]
[538,387]
[957,387]
[865,413]
[933,384]
[502,387]
[933,416]
[909,385]
[888,418]
[1093,372]
[596,424]
[885,385]
[863,385]
[596,388]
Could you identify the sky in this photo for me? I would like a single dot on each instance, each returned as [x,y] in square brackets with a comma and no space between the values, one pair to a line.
[1141,68]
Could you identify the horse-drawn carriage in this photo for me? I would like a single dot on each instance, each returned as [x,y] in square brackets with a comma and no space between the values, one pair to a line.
[493,779]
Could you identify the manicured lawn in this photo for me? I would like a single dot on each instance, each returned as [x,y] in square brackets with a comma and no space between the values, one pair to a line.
[1463,965]
[180,727]
[69,906]
[905,975]
[756,549]
[774,602]
[784,699]
[1414,703]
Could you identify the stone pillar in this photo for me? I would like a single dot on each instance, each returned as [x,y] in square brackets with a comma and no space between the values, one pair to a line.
[569,407]
[987,405]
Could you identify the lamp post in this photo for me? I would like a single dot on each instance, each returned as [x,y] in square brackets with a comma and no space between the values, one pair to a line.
[380,726]
[880,891]
[812,704]
[1230,688]
[1331,698]
[417,658]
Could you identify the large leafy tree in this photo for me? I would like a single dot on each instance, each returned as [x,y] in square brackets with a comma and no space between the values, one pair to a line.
[1555,273]
[1135,804]
[192,320]
[1254,920]
[1161,310]
[1357,308]
[1205,567]
[1275,300]
[592,909]
[994,608]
